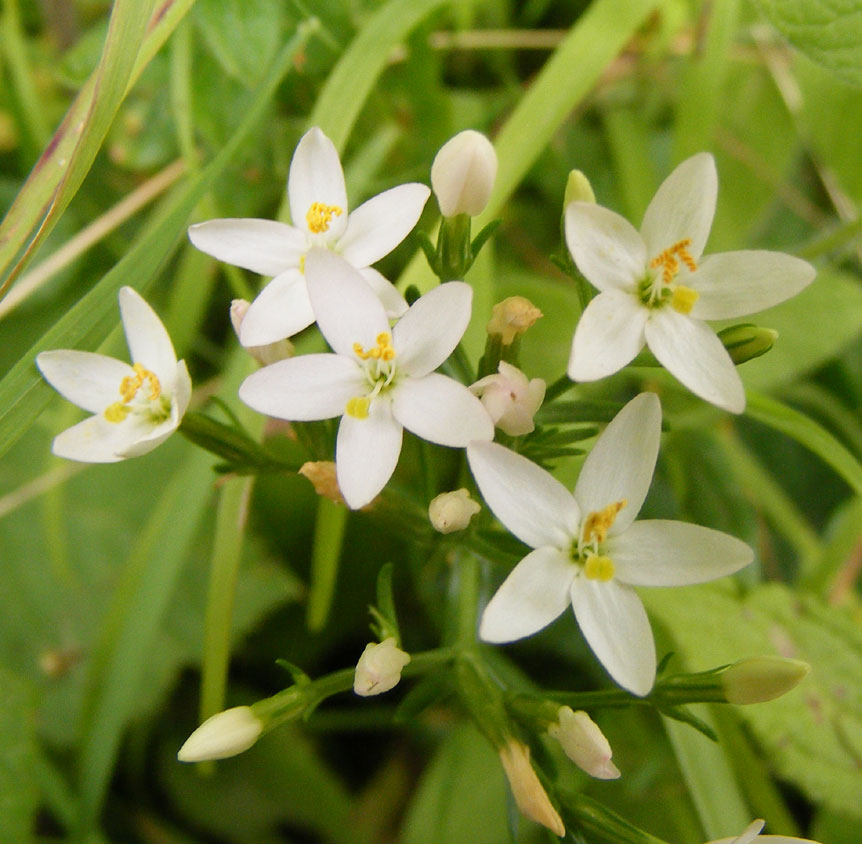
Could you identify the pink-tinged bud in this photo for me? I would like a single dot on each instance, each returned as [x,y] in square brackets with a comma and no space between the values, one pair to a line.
[379,668]
[584,743]
[762,678]
[225,734]
[511,318]
[264,355]
[528,791]
[510,399]
[451,511]
[463,174]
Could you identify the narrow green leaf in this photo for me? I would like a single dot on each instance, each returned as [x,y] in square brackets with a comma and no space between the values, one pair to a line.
[18,795]
[326,553]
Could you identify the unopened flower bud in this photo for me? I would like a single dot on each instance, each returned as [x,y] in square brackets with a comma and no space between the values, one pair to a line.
[528,791]
[379,668]
[510,399]
[578,189]
[762,678]
[584,743]
[463,173]
[264,355]
[224,734]
[451,511]
[511,318]
[745,341]
[321,473]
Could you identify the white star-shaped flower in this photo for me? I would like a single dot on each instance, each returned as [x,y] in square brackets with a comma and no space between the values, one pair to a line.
[656,289]
[136,407]
[380,379]
[318,208]
[589,551]
[752,833]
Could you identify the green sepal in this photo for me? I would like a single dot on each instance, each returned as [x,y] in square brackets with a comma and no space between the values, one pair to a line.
[679,713]
[300,678]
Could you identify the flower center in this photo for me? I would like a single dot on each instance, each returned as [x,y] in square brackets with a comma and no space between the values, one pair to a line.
[149,401]
[587,551]
[319,216]
[379,365]
[656,291]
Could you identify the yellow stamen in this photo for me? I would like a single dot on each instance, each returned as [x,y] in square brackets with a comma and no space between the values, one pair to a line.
[382,351]
[599,567]
[130,385]
[117,412]
[598,523]
[669,260]
[357,407]
[319,216]
[302,264]
[683,299]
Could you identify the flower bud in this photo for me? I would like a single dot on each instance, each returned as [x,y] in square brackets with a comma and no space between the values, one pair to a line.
[321,473]
[463,174]
[745,341]
[510,399]
[528,791]
[584,743]
[578,189]
[224,734]
[511,318]
[451,511]
[762,678]
[379,668]
[264,355]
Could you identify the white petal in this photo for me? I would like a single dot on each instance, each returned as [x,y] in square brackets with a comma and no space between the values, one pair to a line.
[606,247]
[388,294]
[347,309]
[750,833]
[733,284]
[683,207]
[148,439]
[262,246]
[86,379]
[620,466]
[615,625]
[688,349]
[316,176]
[441,410]
[609,334]
[182,391]
[95,440]
[304,388]
[366,453]
[530,598]
[149,343]
[428,333]
[665,553]
[380,224]
[280,310]
[529,501]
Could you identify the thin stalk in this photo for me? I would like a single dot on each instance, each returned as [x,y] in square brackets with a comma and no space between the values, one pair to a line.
[325,556]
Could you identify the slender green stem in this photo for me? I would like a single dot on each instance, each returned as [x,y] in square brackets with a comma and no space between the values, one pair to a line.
[836,239]
[560,386]
[466,599]
[325,556]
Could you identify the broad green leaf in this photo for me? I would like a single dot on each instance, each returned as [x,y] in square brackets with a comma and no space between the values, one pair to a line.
[827,31]
[19,797]
[813,735]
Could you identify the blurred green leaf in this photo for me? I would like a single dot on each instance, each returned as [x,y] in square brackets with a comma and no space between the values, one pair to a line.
[18,793]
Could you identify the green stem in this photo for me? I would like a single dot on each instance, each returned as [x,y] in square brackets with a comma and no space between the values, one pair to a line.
[325,556]
[555,390]
[837,238]
[467,599]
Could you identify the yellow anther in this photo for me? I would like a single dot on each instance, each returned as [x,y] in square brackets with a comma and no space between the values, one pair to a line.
[599,567]
[130,385]
[669,260]
[117,412]
[357,407]
[319,216]
[683,299]
[382,351]
[598,523]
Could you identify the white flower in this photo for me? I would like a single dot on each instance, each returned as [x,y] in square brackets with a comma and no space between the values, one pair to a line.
[318,207]
[463,174]
[222,735]
[752,832]
[379,668]
[655,288]
[584,743]
[136,407]
[510,399]
[380,379]
[451,511]
[589,551]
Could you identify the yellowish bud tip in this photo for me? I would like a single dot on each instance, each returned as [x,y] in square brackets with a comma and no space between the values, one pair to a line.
[357,407]
[762,678]
[321,473]
[578,189]
[599,567]
[683,299]
[511,318]
[379,668]
[225,734]
[451,511]
[527,789]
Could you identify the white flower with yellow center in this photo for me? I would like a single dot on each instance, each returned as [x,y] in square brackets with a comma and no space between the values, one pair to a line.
[589,551]
[752,834]
[380,379]
[656,289]
[318,208]
[135,407]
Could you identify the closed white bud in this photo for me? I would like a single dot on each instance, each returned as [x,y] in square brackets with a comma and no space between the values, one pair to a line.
[451,511]
[762,678]
[584,743]
[527,789]
[379,668]
[511,318]
[463,174]
[578,189]
[264,355]
[224,734]
[510,399]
